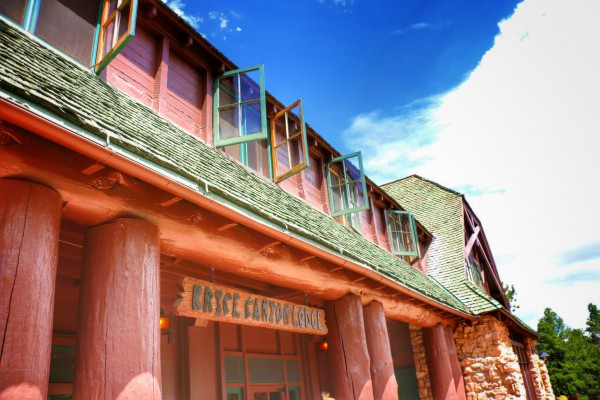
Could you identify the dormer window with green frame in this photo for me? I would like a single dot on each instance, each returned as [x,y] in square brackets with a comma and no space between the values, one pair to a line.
[91,32]
[402,231]
[289,145]
[240,107]
[117,27]
[347,185]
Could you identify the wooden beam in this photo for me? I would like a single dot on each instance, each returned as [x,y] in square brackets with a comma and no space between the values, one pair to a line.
[471,242]
[93,169]
[269,249]
[227,226]
[170,202]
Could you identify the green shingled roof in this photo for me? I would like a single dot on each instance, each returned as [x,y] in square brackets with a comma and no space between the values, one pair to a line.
[41,76]
[440,210]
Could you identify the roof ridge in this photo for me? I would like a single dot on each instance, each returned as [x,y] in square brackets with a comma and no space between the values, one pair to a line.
[425,180]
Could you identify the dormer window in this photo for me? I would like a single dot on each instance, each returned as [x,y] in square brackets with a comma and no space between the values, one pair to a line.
[347,189]
[240,107]
[403,233]
[71,26]
[117,27]
[289,147]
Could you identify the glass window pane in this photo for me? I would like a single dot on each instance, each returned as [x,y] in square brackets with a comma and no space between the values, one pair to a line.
[228,90]
[14,10]
[108,35]
[112,6]
[261,396]
[234,369]
[251,118]
[228,123]
[124,21]
[249,86]
[69,25]
[258,156]
[265,370]
[275,396]
[234,151]
[293,370]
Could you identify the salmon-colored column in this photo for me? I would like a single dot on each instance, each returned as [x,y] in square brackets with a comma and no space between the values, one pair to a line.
[29,228]
[385,386]
[348,356]
[459,381]
[438,362]
[118,353]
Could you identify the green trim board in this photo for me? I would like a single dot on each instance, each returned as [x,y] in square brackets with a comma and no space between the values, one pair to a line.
[36,78]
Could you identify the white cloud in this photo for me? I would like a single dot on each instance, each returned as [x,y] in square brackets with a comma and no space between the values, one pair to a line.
[420,26]
[522,135]
[220,17]
[177,6]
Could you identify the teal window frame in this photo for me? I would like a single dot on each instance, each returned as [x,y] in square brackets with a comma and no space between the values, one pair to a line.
[294,169]
[345,187]
[243,138]
[30,20]
[394,233]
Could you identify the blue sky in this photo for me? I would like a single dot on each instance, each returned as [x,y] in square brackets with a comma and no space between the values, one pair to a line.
[496,99]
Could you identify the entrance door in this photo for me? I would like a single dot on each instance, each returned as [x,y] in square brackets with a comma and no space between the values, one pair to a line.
[266,392]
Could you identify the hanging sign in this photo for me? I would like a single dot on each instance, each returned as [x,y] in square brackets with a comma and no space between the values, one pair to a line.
[205,300]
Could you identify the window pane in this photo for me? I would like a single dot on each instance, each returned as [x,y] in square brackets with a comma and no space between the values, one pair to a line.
[336,193]
[258,156]
[124,21]
[234,151]
[251,118]
[250,88]
[228,123]
[14,10]
[293,370]
[234,369]
[228,90]
[112,6]
[108,34]
[265,370]
[69,25]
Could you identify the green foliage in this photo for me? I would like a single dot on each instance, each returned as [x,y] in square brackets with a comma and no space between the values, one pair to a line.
[574,355]
[511,295]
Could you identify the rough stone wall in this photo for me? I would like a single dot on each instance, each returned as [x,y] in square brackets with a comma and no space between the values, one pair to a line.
[539,373]
[416,340]
[490,366]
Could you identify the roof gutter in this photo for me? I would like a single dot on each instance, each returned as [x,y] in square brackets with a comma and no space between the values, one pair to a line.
[36,119]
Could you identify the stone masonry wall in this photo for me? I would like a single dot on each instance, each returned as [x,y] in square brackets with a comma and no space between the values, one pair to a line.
[490,366]
[539,373]
[416,340]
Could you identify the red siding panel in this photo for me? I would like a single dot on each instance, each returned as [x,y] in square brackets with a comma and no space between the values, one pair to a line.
[184,95]
[132,70]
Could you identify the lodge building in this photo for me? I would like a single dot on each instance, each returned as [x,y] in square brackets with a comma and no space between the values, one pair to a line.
[170,230]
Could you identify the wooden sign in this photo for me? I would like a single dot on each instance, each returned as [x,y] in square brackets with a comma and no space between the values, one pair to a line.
[204,300]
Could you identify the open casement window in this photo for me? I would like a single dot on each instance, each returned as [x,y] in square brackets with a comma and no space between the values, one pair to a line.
[289,147]
[240,107]
[347,185]
[117,27]
[403,233]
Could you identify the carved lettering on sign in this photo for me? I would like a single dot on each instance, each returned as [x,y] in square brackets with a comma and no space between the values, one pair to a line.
[209,301]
